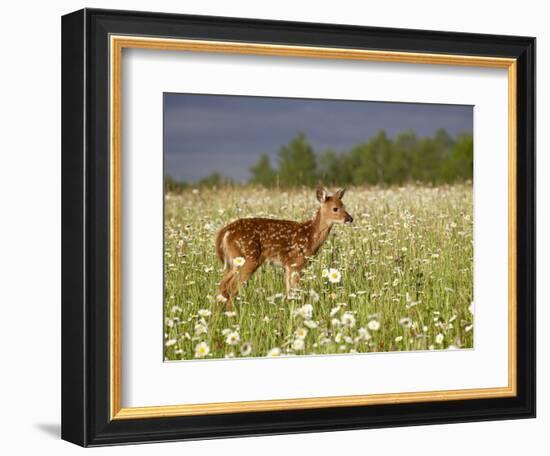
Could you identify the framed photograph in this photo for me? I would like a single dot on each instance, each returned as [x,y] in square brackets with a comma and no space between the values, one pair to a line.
[278,227]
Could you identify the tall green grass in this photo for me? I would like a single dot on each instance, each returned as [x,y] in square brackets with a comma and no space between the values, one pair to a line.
[406,269]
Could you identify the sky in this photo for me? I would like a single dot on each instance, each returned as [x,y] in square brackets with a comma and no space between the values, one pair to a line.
[225,133]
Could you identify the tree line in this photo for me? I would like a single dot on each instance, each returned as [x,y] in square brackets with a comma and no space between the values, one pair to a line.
[381,160]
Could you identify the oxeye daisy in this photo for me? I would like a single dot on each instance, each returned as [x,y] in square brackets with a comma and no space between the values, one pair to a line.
[298,344]
[201,328]
[439,338]
[275,351]
[306,311]
[246,349]
[232,338]
[334,311]
[373,325]
[201,350]
[311,324]
[334,275]
[301,333]
[348,319]
[239,261]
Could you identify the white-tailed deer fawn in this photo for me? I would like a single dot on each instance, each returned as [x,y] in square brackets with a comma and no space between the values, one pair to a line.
[245,244]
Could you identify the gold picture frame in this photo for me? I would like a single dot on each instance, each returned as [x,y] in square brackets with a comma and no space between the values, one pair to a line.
[117,45]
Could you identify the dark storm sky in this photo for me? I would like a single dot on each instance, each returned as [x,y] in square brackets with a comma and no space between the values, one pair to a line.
[206,133]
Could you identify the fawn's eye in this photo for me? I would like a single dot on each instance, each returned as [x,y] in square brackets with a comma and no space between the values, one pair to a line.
[334,209]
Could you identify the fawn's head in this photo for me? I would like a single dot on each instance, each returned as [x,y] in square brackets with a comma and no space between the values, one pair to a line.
[332,209]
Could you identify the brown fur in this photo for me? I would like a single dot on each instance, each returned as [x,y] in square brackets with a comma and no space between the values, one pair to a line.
[283,242]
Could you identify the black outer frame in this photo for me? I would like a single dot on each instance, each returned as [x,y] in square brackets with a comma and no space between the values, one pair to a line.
[85,227]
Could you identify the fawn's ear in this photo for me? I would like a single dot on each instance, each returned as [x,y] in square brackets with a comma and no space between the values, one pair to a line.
[340,193]
[322,194]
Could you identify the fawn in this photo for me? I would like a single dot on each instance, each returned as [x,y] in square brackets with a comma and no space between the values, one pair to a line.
[245,244]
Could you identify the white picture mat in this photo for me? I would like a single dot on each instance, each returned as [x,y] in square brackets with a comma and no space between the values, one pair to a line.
[147,380]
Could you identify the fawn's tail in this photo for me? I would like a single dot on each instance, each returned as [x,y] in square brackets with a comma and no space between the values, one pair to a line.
[220,248]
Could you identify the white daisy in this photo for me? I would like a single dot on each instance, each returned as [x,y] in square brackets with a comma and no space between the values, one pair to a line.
[373,325]
[201,350]
[246,349]
[398,339]
[276,351]
[324,273]
[201,328]
[298,344]
[170,342]
[306,311]
[311,324]
[301,333]
[239,261]
[334,275]
[348,319]
[334,311]
[439,338]
[205,312]
[232,338]
[363,333]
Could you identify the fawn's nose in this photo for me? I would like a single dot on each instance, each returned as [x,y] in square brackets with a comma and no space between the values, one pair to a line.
[349,218]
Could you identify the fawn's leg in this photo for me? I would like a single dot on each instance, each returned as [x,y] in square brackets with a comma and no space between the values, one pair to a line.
[223,295]
[238,277]
[292,279]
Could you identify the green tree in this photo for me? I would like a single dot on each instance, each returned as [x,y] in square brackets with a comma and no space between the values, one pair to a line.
[333,169]
[215,180]
[172,185]
[297,163]
[373,162]
[460,164]
[406,146]
[262,173]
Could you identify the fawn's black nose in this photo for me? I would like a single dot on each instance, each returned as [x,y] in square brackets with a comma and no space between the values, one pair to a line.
[349,218]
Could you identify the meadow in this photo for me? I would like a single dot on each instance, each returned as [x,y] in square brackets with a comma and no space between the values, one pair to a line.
[399,278]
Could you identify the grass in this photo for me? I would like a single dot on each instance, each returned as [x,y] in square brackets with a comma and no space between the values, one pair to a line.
[406,269]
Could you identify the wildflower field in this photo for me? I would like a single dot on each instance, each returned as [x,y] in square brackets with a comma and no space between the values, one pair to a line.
[399,278]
